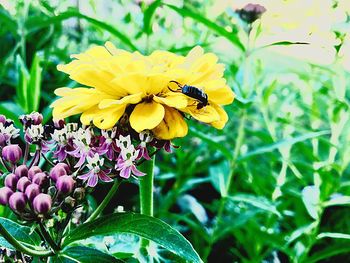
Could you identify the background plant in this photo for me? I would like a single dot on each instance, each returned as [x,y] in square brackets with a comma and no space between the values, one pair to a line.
[278,173]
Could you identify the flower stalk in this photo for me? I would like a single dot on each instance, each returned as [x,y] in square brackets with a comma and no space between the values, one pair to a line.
[105,201]
[146,193]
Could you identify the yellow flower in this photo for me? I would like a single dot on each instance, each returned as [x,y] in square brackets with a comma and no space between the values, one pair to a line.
[138,85]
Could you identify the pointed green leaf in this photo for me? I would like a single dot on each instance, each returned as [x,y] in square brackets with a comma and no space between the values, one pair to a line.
[34,87]
[144,226]
[148,16]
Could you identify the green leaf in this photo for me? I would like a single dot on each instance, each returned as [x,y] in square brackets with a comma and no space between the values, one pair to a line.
[232,37]
[85,255]
[22,233]
[211,141]
[144,226]
[311,198]
[34,23]
[34,87]
[148,16]
[22,84]
[333,235]
[328,252]
[282,143]
[11,110]
[258,202]
[338,200]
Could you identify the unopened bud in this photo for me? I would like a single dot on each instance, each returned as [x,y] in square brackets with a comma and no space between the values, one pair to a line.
[65,184]
[2,119]
[32,191]
[33,171]
[79,193]
[59,124]
[12,153]
[11,181]
[22,184]
[58,170]
[17,201]
[37,118]
[69,203]
[5,194]
[21,170]
[40,179]
[251,12]
[52,191]
[42,203]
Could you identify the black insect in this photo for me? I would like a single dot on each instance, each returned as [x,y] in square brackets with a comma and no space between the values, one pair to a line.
[194,93]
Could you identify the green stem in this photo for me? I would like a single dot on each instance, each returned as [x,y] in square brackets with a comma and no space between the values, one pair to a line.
[48,238]
[22,248]
[105,201]
[146,193]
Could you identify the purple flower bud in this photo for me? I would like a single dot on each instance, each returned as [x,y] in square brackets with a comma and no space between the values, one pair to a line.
[40,179]
[22,184]
[65,184]
[33,171]
[42,203]
[5,194]
[11,181]
[2,119]
[36,117]
[32,191]
[58,170]
[251,12]
[12,153]
[17,201]
[21,170]
[59,124]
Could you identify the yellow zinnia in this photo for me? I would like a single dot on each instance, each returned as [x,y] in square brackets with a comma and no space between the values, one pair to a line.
[123,82]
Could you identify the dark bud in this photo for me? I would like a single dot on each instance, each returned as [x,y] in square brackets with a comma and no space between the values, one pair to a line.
[22,184]
[59,170]
[21,170]
[32,191]
[48,129]
[5,194]
[79,193]
[17,201]
[251,12]
[33,171]
[12,153]
[11,181]
[40,179]
[65,184]
[69,203]
[42,203]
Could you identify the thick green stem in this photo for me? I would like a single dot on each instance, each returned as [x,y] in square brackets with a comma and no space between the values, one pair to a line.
[146,192]
[105,201]
[22,248]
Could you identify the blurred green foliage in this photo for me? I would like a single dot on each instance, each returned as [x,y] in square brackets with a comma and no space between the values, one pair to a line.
[273,186]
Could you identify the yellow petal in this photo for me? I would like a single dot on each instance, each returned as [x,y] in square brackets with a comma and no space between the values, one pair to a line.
[146,116]
[206,114]
[131,99]
[131,83]
[172,126]
[103,119]
[172,99]
[223,118]
[218,92]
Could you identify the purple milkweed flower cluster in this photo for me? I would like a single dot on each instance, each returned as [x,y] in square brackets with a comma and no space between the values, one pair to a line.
[75,158]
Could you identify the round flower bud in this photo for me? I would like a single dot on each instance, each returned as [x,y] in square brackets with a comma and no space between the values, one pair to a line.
[58,170]
[36,117]
[79,193]
[69,203]
[22,184]
[32,191]
[65,184]
[59,124]
[40,179]
[12,153]
[5,194]
[64,166]
[21,170]
[11,181]
[17,201]
[42,203]
[32,171]
[2,119]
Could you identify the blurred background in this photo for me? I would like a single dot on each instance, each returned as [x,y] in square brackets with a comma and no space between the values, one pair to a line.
[274,185]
